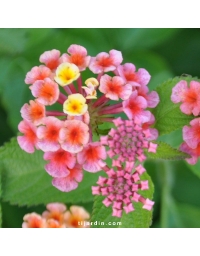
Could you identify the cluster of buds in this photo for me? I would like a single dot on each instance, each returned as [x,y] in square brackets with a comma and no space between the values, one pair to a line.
[65,133]
[121,187]
[57,216]
[189,97]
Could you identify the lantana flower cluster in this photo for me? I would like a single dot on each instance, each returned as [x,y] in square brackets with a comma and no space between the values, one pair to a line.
[188,96]
[57,216]
[69,109]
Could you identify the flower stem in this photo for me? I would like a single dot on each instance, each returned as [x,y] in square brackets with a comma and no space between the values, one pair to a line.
[67,89]
[55,113]
[114,106]
[62,98]
[112,111]
[167,204]
[72,88]
[80,84]
[100,101]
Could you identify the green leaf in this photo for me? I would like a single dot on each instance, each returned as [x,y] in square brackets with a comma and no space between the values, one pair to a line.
[27,183]
[166,152]
[167,114]
[14,91]
[189,215]
[195,168]
[12,40]
[138,38]
[0,200]
[140,218]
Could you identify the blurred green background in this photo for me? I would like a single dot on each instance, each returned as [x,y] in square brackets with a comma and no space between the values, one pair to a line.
[165,53]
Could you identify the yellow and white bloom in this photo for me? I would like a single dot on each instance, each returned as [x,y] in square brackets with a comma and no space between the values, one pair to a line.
[75,105]
[66,73]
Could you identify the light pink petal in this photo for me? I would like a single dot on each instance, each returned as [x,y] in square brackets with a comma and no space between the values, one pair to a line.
[29,140]
[152,99]
[194,85]
[91,167]
[37,73]
[127,91]
[154,134]
[25,144]
[48,146]
[116,57]
[143,76]
[189,137]
[178,91]
[72,148]
[81,157]
[51,58]
[56,207]
[64,184]
[186,108]
[74,48]
[41,132]
[56,170]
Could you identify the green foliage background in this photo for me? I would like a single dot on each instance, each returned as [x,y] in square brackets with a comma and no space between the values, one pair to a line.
[165,53]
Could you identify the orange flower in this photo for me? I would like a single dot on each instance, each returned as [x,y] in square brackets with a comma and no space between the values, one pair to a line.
[33,220]
[76,217]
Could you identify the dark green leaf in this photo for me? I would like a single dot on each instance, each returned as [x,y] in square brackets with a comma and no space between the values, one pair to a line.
[166,152]
[27,183]
[0,198]
[12,41]
[189,215]
[168,115]
[195,168]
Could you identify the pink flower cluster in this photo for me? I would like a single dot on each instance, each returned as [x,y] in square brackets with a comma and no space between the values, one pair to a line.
[189,97]
[65,134]
[57,216]
[127,142]
[120,188]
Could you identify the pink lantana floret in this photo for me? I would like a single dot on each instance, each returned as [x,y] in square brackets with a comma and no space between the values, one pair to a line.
[105,62]
[129,74]
[178,91]
[51,59]
[48,134]
[152,98]
[191,101]
[70,182]
[189,96]
[60,163]
[33,112]
[46,91]
[91,157]
[115,88]
[78,56]
[74,135]
[193,153]
[33,220]
[134,108]
[29,140]
[191,134]
[37,73]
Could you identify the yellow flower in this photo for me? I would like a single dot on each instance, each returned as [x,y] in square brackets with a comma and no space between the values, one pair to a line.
[66,73]
[75,105]
[92,81]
